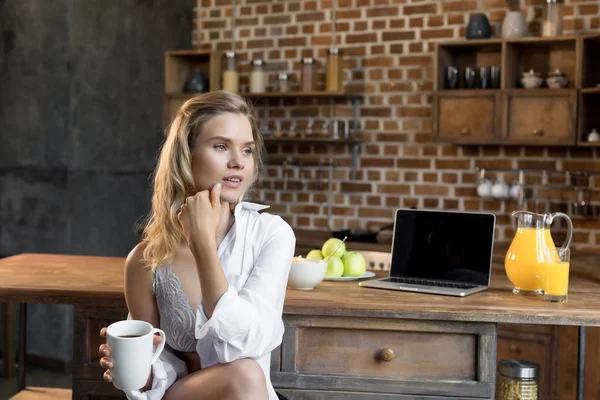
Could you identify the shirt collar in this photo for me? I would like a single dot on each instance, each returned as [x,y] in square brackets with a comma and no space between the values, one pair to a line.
[246,205]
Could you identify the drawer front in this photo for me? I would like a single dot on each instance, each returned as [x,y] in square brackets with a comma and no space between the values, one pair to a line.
[540,119]
[467,119]
[364,352]
[425,358]
[339,395]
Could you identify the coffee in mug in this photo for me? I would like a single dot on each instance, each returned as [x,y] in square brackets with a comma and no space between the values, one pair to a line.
[132,350]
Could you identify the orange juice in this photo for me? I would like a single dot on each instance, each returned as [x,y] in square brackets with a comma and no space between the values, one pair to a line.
[524,262]
[557,278]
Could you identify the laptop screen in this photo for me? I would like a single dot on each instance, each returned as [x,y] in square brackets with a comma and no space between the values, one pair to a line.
[445,245]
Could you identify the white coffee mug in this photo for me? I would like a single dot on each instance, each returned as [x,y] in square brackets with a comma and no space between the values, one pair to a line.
[131,344]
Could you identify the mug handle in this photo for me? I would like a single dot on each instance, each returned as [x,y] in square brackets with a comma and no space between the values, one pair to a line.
[161,346]
[567,243]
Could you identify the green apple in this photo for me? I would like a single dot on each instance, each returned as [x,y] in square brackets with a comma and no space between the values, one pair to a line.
[330,246]
[314,255]
[335,267]
[354,264]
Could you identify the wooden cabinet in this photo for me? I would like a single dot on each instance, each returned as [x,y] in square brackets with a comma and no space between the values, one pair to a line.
[540,116]
[532,343]
[464,117]
[363,358]
[511,114]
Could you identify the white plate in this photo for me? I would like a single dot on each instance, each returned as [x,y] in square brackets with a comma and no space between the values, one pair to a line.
[368,274]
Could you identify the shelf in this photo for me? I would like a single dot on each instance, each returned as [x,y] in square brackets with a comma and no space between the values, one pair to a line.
[472,42]
[589,144]
[325,95]
[468,92]
[539,40]
[540,91]
[591,90]
[310,140]
[277,95]
[189,53]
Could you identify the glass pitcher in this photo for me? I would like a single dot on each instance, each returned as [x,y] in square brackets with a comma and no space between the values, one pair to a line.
[525,261]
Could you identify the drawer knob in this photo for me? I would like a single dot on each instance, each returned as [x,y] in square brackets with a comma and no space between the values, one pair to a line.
[465,132]
[538,132]
[387,355]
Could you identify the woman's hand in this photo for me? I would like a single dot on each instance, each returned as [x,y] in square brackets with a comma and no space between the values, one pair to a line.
[200,216]
[107,362]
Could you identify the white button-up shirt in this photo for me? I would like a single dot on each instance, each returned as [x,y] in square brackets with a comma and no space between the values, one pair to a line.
[256,257]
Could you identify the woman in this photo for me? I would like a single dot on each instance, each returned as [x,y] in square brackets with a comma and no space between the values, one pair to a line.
[210,271]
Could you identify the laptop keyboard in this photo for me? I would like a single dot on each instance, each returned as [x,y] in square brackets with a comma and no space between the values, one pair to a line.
[428,282]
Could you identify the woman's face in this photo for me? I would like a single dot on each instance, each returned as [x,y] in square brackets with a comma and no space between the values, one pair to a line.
[224,153]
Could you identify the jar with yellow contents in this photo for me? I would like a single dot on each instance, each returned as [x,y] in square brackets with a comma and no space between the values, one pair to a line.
[517,380]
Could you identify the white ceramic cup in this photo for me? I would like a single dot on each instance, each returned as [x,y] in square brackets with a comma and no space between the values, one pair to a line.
[131,344]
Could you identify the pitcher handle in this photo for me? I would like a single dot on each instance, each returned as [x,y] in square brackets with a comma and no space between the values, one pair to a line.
[567,242]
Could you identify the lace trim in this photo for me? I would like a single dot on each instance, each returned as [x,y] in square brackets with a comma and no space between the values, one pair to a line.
[177,318]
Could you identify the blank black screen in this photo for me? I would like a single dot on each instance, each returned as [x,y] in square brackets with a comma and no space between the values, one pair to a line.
[452,246]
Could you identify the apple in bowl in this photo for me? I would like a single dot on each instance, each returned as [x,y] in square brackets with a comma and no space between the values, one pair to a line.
[306,274]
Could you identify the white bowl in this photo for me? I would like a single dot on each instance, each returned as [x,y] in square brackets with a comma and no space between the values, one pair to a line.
[306,274]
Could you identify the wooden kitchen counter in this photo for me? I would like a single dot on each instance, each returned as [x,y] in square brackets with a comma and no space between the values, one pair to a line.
[66,279]
[341,341]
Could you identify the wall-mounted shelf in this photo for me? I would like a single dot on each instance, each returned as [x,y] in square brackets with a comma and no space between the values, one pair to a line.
[595,90]
[180,64]
[511,114]
[316,94]
[311,140]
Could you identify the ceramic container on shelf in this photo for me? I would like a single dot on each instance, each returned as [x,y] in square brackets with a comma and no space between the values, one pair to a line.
[531,79]
[514,25]
[557,80]
[479,27]
[593,136]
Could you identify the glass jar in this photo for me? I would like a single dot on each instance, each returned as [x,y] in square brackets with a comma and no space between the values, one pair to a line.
[334,70]
[553,18]
[258,77]
[517,380]
[283,82]
[307,75]
[231,76]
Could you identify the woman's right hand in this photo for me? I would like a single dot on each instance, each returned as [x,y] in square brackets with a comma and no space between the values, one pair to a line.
[108,363]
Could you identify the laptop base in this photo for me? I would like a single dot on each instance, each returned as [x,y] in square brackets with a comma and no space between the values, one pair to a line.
[385,283]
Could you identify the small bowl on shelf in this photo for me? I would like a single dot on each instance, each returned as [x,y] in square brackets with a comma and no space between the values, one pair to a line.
[531,79]
[557,80]
[306,274]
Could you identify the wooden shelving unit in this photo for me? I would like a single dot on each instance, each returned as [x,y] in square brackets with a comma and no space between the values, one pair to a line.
[180,64]
[311,140]
[513,115]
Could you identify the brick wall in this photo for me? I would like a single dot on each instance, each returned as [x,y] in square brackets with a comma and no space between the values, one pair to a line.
[388,47]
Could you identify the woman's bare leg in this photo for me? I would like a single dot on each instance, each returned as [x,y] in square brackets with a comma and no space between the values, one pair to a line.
[241,379]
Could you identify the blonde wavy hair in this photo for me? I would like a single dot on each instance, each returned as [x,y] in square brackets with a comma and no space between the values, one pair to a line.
[173,178]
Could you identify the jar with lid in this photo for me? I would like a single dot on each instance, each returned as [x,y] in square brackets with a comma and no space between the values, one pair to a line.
[334,70]
[553,18]
[258,77]
[517,380]
[307,75]
[231,76]
[283,82]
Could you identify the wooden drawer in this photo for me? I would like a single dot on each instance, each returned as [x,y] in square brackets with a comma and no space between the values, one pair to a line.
[467,118]
[534,117]
[348,354]
[338,395]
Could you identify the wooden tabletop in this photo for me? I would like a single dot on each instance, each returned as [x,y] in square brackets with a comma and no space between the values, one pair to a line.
[47,278]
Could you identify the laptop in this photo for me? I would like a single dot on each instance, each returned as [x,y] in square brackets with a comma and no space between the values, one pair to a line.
[440,252]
